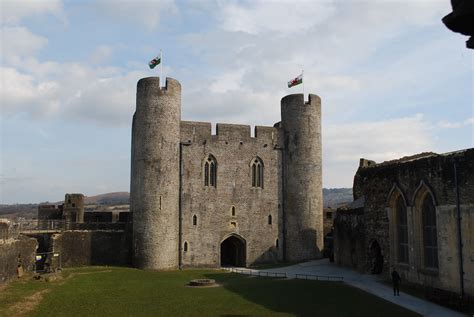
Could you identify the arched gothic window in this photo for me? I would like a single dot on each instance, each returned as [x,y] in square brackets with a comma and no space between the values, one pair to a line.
[430,234]
[402,230]
[185,247]
[233,211]
[210,171]
[257,173]
[195,220]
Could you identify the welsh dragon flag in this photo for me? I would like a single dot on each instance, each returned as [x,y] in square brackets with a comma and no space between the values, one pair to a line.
[154,62]
[296,81]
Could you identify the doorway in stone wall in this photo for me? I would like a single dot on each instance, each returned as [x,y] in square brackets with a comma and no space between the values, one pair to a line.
[233,251]
[376,257]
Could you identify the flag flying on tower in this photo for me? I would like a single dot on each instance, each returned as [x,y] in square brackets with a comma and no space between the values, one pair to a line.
[296,81]
[154,62]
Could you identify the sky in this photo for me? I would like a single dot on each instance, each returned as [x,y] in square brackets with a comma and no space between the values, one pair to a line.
[393,80]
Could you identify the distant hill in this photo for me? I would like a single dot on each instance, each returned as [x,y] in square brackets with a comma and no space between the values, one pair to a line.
[18,210]
[336,197]
[332,197]
[116,198]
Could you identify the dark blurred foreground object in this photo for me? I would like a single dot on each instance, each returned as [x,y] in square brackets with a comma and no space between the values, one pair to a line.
[461,20]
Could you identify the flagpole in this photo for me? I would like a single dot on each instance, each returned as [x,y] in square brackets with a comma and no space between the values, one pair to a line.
[161,68]
[302,79]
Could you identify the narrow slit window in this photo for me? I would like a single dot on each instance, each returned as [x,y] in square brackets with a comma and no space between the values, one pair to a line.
[185,247]
[269,219]
[195,220]
[233,211]
[277,245]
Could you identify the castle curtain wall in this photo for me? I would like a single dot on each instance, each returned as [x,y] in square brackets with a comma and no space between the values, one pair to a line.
[426,174]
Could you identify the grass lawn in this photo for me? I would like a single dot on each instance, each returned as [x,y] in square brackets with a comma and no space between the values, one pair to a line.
[112,291]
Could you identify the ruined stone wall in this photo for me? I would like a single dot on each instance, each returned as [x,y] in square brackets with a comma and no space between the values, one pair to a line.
[349,239]
[13,252]
[49,212]
[328,220]
[234,150]
[431,173]
[73,208]
[80,248]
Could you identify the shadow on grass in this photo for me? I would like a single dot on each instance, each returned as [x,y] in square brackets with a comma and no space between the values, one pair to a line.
[307,298]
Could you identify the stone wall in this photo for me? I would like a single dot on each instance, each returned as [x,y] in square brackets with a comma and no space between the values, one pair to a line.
[349,239]
[428,174]
[14,252]
[50,212]
[234,150]
[180,219]
[79,248]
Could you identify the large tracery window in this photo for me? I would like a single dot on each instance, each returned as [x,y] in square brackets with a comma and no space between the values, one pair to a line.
[257,173]
[402,230]
[210,171]
[430,235]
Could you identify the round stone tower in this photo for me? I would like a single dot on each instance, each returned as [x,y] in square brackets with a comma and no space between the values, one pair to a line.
[301,125]
[154,188]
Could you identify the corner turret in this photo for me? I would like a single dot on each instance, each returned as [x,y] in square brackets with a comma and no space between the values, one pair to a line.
[301,127]
[154,188]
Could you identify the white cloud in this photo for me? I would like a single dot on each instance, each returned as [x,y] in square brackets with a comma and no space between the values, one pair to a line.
[102,95]
[101,54]
[21,93]
[13,11]
[274,16]
[18,42]
[456,125]
[344,144]
[143,12]
[286,16]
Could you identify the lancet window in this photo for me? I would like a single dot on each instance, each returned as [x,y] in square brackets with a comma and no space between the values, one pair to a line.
[430,234]
[210,171]
[402,230]
[257,172]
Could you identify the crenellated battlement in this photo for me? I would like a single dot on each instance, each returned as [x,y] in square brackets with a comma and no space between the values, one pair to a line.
[232,131]
[192,131]
[195,131]
[153,83]
[297,100]
[269,134]
[265,186]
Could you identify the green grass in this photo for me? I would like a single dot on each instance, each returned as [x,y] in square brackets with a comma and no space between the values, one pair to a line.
[131,292]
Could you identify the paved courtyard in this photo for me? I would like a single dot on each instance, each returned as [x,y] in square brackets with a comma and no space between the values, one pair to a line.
[366,282]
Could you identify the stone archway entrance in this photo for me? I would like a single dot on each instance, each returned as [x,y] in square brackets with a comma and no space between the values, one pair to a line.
[376,257]
[233,251]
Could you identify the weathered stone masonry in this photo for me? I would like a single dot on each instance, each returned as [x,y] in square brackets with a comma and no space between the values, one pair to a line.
[412,180]
[180,220]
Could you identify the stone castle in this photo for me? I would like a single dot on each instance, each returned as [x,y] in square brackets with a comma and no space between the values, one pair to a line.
[204,200]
